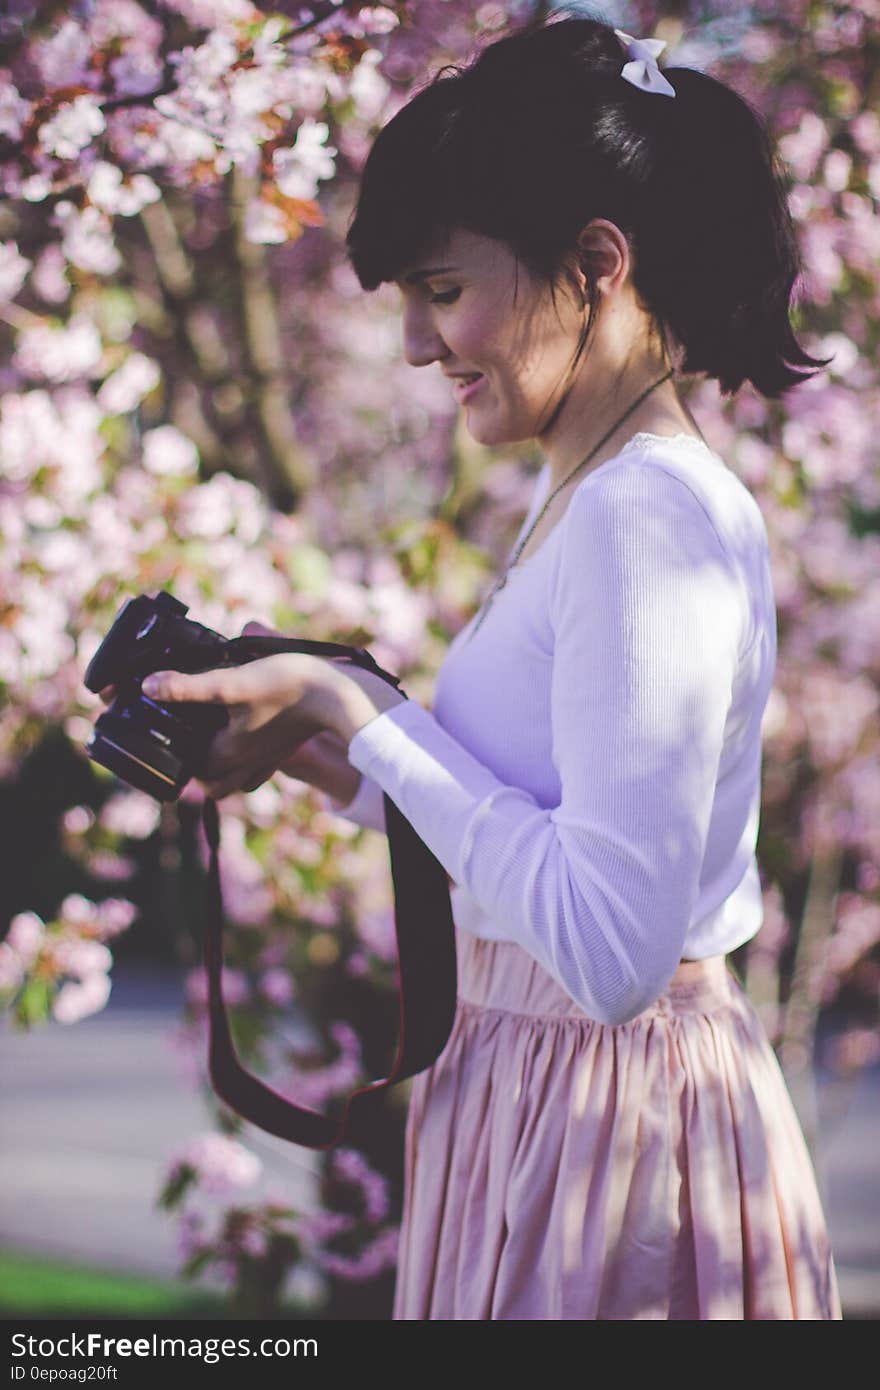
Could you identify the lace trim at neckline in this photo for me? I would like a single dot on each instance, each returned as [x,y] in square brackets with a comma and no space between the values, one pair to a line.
[644,436]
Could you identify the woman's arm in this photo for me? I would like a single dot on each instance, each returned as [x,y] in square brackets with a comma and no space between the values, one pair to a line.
[647,612]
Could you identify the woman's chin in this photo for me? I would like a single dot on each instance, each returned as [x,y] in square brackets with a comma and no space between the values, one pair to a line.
[483,430]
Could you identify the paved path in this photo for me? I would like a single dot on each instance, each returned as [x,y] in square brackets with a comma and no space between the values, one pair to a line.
[89,1116]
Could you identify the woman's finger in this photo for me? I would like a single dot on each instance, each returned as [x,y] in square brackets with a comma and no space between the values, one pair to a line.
[208,686]
[240,781]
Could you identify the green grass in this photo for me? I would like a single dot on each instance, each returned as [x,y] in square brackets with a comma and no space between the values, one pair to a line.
[40,1288]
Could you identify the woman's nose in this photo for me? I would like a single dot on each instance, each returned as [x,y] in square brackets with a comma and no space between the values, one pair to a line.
[422,344]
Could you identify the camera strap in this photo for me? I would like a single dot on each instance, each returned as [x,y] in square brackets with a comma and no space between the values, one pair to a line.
[425,952]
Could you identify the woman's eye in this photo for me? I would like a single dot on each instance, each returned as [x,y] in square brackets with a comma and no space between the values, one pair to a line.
[448,298]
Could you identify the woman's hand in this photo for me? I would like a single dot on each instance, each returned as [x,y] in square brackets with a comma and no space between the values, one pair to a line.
[243,758]
[277,704]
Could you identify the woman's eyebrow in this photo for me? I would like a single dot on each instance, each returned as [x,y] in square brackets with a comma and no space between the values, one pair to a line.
[415,276]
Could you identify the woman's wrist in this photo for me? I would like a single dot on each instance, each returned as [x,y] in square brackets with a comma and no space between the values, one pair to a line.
[352,700]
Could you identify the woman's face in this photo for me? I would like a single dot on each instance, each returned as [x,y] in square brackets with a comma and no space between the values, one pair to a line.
[463,315]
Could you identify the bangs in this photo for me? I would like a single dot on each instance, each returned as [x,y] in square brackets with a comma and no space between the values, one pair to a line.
[414,186]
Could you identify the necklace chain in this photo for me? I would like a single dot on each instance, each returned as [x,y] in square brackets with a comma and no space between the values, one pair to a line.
[503,580]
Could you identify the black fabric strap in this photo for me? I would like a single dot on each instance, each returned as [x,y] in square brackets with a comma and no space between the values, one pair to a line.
[425,951]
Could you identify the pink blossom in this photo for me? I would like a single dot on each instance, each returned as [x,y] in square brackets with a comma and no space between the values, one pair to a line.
[49,277]
[108,190]
[303,85]
[836,712]
[865,131]
[63,59]
[87,238]
[40,627]
[113,868]
[264,805]
[77,910]
[299,168]
[803,148]
[136,72]
[843,350]
[114,915]
[26,936]
[168,453]
[61,353]
[316,1086]
[380,1254]
[277,986]
[223,1165]
[247,896]
[375,928]
[13,269]
[233,983]
[14,110]
[222,505]
[836,170]
[11,968]
[78,819]
[74,126]
[254,1241]
[264,222]
[201,14]
[351,1165]
[36,188]
[377,19]
[125,22]
[860,234]
[358,965]
[317,1226]
[132,814]
[368,89]
[822,264]
[79,999]
[73,955]
[126,387]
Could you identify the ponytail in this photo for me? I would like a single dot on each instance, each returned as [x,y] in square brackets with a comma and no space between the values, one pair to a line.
[716,257]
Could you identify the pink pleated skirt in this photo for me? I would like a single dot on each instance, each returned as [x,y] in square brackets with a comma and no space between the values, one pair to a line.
[558,1168]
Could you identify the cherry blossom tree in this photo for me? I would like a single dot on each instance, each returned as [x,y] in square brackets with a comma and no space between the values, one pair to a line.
[197,396]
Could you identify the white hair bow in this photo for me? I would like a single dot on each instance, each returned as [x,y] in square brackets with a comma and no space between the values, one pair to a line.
[642,70]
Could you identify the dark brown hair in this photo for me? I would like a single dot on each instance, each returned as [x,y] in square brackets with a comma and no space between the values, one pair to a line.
[539,134]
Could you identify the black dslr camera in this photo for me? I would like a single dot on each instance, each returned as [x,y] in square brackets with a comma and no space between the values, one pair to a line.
[158,748]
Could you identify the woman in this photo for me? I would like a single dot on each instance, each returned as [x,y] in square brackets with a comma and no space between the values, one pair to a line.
[607,1133]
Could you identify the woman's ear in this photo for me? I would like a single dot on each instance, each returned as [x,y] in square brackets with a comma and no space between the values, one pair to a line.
[602,245]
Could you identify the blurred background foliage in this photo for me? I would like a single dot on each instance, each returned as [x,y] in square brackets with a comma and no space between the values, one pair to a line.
[197,396]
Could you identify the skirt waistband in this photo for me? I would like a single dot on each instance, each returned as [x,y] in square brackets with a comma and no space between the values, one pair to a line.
[501,976]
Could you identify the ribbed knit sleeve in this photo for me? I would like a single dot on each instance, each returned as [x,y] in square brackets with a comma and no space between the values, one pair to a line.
[366,808]
[646,609]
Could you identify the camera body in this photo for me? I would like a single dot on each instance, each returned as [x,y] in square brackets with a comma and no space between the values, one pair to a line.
[154,747]
[158,748]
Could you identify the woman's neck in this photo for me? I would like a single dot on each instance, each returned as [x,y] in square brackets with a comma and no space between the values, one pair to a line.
[583,421]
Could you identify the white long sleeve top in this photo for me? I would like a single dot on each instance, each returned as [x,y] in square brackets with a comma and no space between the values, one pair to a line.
[590,772]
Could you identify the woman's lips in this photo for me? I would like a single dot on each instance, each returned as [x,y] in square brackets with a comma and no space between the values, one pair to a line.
[466,386]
